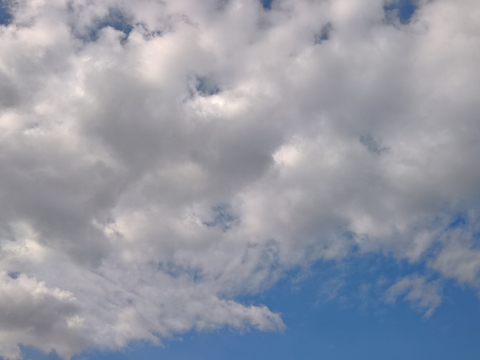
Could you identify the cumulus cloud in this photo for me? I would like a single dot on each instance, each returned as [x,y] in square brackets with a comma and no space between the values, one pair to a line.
[158,159]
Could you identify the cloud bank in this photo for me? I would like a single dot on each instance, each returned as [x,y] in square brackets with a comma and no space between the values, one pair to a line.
[160,158]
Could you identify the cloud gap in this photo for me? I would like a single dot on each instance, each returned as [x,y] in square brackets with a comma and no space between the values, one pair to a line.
[223,217]
[403,10]
[373,145]
[324,34]
[14,274]
[115,19]
[176,271]
[267,4]
[206,86]
[458,222]
[5,15]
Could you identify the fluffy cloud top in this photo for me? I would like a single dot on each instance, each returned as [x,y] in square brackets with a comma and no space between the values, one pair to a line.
[157,159]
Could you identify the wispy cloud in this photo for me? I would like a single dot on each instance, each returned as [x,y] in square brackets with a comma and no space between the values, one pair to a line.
[418,290]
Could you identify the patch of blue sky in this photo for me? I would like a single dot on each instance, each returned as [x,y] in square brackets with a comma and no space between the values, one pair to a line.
[223,217]
[176,271]
[267,4]
[206,86]
[5,16]
[403,9]
[372,144]
[324,34]
[463,222]
[13,274]
[346,326]
[459,221]
[115,19]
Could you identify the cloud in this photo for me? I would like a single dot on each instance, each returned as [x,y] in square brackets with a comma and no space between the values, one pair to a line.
[417,290]
[159,159]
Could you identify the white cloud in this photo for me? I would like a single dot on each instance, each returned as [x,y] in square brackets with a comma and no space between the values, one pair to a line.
[153,204]
[418,290]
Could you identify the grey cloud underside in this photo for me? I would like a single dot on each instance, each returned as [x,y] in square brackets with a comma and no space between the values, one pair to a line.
[158,159]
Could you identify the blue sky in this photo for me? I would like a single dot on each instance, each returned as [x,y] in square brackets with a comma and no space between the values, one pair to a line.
[261,179]
[4,15]
[354,324]
[347,327]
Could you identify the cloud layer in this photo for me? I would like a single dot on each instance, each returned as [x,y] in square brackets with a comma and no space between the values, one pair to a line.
[158,159]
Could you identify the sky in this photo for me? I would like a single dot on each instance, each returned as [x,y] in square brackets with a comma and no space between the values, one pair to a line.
[239,179]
